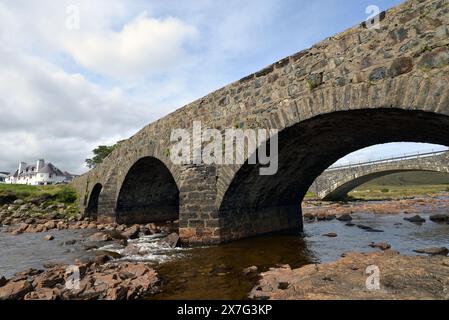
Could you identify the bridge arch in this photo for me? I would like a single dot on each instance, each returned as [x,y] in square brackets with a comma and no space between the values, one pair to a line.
[254,204]
[148,193]
[92,204]
[335,183]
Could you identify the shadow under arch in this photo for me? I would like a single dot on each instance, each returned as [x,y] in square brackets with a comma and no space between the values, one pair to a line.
[149,193]
[92,204]
[254,204]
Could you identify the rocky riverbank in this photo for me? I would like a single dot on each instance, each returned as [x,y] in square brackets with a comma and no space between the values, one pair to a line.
[401,277]
[321,210]
[90,281]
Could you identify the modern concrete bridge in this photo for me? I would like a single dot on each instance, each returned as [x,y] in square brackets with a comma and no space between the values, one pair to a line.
[358,88]
[335,183]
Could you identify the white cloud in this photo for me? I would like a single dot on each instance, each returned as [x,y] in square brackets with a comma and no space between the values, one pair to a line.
[144,46]
[47,112]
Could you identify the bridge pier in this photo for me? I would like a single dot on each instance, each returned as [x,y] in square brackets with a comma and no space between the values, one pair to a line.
[198,213]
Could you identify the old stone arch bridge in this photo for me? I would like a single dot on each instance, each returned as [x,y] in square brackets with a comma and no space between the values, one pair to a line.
[334,184]
[358,88]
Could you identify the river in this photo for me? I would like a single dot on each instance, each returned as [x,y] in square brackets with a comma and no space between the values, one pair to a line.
[215,272]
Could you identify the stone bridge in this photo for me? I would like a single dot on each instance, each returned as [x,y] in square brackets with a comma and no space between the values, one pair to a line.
[334,184]
[358,88]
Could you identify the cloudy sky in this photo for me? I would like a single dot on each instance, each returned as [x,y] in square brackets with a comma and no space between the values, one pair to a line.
[69,84]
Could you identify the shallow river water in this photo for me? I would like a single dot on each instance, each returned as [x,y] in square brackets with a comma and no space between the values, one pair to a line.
[215,272]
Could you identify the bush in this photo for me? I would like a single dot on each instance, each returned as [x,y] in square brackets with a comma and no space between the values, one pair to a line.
[66,195]
[385,190]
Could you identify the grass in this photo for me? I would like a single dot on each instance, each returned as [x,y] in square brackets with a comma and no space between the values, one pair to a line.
[376,192]
[54,194]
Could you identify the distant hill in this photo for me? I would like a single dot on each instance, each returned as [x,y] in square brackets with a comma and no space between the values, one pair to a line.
[410,178]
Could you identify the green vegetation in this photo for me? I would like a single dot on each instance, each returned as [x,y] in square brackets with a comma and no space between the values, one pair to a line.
[100,153]
[404,184]
[47,194]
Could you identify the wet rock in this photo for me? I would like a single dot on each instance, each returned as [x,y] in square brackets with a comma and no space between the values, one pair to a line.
[439,218]
[2,281]
[308,217]
[434,251]
[100,236]
[330,235]
[49,237]
[381,245]
[350,224]
[321,217]
[15,290]
[330,217]
[172,240]
[101,259]
[345,218]
[69,242]
[132,232]
[363,227]
[250,270]
[416,219]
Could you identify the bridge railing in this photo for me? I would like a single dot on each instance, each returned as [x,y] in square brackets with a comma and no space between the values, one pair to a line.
[389,159]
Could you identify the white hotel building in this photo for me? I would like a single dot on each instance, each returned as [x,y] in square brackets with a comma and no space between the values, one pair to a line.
[40,174]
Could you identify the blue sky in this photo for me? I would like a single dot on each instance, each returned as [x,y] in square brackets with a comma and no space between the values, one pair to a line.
[65,90]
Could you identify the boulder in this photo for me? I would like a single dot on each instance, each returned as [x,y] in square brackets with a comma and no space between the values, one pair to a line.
[416,219]
[18,202]
[250,270]
[100,236]
[439,218]
[2,281]
[172,240]
[330,235]
[49,237]
[330,217]
[15,290]
[345,218]
[434,251]
[381,245]
[132,232]
[308,217]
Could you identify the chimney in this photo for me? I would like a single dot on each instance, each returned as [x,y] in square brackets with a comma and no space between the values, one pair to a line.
[40,164]
[22,167]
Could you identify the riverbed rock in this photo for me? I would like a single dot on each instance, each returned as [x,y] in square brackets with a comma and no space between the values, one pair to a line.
[439,218]
[100,236]
[172,240]
[250,270]
[330,235]
[2,281]
[49,237]
[308,217]
[18,202]
[415,219]
[381,245]
[433,251]
[15,290]
[132,232]
[345,218]
[402,277]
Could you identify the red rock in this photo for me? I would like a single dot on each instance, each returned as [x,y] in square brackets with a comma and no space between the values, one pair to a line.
[15,290]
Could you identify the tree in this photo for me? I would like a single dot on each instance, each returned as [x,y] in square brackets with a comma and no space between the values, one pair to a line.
[100,153]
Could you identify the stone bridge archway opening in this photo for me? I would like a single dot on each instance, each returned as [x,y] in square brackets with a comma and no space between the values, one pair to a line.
[254,204]
[92,204]
[341,192]
[149,193]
